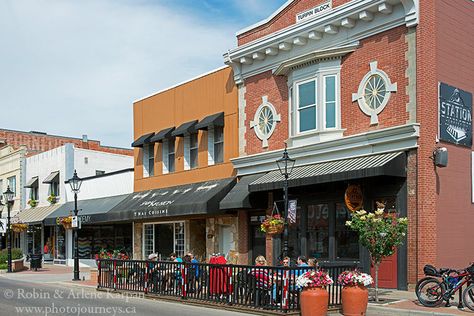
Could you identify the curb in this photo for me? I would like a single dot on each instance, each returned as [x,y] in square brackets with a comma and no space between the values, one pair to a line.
[383,310]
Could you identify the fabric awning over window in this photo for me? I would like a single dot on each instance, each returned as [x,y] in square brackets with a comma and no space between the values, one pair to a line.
[91,211]
[185,128]
[389,164]
[214,120]
[32,183]
[238,197]
[53,177]
[36,215]
[163,134]
[142,140]
[192,199]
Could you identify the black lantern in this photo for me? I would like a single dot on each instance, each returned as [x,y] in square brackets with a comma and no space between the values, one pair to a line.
[9,196]
[75,183]
[285,165]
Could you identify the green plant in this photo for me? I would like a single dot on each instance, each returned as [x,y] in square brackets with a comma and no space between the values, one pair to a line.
[16,254]
[3,266]
[52,199]
[271,220]
[32,203]
[381,233]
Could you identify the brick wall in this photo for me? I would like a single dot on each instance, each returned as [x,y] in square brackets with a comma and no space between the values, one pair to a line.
[243,235]
[387,48]
[284,19]
[412,239]
[36,143]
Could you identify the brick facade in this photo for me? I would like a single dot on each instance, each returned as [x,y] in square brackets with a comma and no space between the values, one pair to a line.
[39,142]
[387,48]
[284,19]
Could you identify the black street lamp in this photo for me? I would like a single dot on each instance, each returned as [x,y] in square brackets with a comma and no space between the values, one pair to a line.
[9,196]
[285,165]
[75,183]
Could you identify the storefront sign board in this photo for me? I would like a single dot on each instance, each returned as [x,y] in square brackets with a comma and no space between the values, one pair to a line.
[354,198]
[455,115]
[314,12]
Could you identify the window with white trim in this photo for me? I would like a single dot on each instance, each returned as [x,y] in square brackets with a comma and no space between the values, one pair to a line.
[12,184]
[193,150]
[163,239]
[149,160]
[171,154]
[218,144]
[314,100]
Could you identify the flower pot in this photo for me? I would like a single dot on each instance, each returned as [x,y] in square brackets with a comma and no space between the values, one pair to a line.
[275,229]
[314,301]
[354,300]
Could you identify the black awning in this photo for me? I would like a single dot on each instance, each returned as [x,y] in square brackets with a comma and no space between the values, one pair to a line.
[239,196]
[214,120]
[53,177]
[144,139]
[389,164]
[90,211]
[163,134]
[33,183]
[185,128]
[192,199]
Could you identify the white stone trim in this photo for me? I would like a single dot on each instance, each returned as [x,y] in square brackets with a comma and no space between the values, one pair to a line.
[359,96]
[398,138]
[254,123]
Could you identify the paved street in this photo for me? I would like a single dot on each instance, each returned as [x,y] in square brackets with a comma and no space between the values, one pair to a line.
[23,297]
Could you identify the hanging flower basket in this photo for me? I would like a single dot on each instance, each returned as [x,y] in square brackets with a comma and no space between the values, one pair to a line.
[66,222]
[274,224]
[273,229]
[19,227]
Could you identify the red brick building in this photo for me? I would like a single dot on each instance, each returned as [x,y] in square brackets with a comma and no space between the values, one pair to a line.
[354,88]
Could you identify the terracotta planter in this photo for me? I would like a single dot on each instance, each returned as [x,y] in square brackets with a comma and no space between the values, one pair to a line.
[314,301]
[354,300]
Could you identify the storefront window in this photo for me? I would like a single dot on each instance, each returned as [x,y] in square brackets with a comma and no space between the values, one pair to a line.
[163,239]
[318,231]
[347,240]
[33,238]
[60,243]
[111,237]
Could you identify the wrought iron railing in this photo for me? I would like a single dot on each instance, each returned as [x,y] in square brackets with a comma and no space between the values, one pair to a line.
[272,288]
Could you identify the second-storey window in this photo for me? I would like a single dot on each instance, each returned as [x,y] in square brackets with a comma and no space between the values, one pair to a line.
[218,144]
[54,188]
[171,154]
[149,160]
[193,150]
[315,103]
[12,184]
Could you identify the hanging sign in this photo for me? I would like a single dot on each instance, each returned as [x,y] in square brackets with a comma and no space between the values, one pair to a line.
[455,115]
[292,211]
[75,222]
[3,225]
[353,197]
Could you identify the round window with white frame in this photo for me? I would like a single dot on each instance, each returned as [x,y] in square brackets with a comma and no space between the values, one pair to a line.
[265,120]
[374,92]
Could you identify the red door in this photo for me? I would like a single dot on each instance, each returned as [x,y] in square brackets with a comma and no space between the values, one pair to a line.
[387,272]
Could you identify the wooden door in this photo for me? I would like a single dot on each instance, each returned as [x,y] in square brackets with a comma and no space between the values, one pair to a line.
[387,272]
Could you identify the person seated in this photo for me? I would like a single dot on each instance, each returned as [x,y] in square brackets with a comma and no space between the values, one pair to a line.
[312,262]
[262,276]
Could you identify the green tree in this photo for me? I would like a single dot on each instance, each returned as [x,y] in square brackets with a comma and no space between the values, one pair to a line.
[381,233]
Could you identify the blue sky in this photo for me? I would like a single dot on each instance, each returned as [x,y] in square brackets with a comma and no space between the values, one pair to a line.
[71,67]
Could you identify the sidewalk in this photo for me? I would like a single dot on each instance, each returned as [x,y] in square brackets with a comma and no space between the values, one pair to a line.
[403,303]
[48,274]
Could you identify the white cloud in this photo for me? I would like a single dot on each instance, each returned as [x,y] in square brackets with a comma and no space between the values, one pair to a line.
[74,67]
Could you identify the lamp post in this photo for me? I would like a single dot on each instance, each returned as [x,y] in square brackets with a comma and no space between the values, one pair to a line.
[9,196]
[285,165]
[75,183]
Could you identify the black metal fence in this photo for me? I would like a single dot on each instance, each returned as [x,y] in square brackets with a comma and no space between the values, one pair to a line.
[272,288]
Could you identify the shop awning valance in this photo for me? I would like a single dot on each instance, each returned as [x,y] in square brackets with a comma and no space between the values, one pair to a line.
[211,120]
[142,140]
[185,128]
[239,196]
[192,199]
[90,211]
[388,164]
[53,177]
[32,183]
[163,134]
[36,215]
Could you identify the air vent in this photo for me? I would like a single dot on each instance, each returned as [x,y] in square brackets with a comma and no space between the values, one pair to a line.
[39,133]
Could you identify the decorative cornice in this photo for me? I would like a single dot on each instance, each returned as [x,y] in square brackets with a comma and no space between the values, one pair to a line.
[397,138]
[341,19]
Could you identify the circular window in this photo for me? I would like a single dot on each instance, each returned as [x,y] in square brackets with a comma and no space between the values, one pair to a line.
[375,91]
[265,120]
